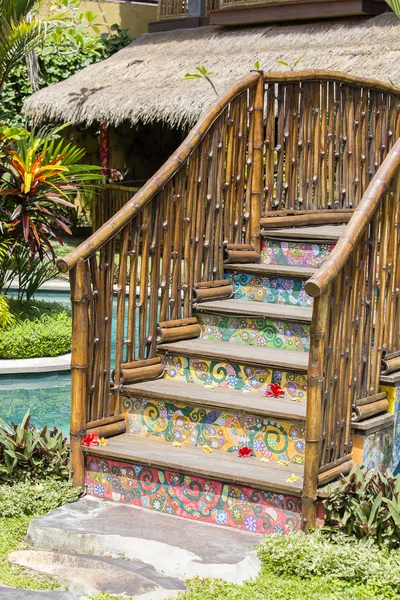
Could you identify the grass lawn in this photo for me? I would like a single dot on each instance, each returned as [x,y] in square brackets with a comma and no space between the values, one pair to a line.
[285,576]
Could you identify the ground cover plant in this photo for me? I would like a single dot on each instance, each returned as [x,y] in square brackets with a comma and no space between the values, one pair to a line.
[30,454]
[38,329]
[366,505]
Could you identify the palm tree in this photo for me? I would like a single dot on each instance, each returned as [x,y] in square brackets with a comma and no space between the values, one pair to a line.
[395,6]
[21,30]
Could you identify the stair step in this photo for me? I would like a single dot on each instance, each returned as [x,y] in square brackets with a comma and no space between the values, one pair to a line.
[264,270]
[222,466]
[324,233]
[249,308]
[239,353]
[168,390]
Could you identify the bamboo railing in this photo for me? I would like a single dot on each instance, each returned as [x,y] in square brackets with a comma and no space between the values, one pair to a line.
[178,9]
[108,199]
[277,144]
[168,237]
[356,322]
[325,135]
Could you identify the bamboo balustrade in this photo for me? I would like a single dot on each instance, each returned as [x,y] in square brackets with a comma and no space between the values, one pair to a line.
[178,9]
[298,146]
[167,237]
[356,321]
[107,200]
[325,136]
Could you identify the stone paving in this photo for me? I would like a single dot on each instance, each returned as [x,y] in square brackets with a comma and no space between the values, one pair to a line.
[93,546]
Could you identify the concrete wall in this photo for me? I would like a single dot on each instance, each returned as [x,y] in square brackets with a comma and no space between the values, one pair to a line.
[133,16]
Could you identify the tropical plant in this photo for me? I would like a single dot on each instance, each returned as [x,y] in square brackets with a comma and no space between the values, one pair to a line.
[202,73]
[57,61]
[6,317]
[395,6]
[26,453]
[29,273]
[38,175]
[292,65]
[365,505]
[21,30]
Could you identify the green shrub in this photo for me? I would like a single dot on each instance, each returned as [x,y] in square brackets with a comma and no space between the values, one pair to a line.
[35,499]
[366,505]
[29,454]
[6,317]
[42,329]
[344,558]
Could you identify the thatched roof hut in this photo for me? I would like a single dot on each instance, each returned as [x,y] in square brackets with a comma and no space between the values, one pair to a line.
[142,83]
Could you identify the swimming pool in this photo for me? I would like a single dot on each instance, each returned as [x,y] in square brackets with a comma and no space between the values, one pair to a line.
[48,396]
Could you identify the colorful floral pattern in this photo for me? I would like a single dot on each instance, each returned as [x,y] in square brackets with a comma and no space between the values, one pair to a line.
[193,497]
[233,376]
[217,429]
[276,252]
[274,290]
[256,332]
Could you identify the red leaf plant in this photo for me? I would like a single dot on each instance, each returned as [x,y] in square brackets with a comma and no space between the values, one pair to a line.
[92,439]
[275,391]
[245,452]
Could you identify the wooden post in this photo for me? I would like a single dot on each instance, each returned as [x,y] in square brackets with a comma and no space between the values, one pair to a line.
[315,390]
[79,369]
[257,173]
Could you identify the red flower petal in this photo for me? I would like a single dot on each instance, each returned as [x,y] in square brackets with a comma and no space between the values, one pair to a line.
[92,439]
[275,391]
[245,451]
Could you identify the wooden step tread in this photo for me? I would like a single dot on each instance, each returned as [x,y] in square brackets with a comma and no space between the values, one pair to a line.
[225,466]
[249,308]
[253,403]
[325,233]
[263,270]
[239,353]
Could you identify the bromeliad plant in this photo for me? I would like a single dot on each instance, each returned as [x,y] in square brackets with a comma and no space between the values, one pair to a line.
[366,505]
[26,453]
[39,175]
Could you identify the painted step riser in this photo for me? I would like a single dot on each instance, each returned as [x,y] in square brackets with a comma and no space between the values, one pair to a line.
[271,290]
[233,376]
[193,497]
[218,430]
[262,332]
[301,254]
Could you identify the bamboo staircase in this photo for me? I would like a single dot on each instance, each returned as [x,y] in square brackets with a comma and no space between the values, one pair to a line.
[257,279]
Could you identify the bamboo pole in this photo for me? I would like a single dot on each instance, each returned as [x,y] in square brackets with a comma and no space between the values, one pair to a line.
[79,370]
[257,170]
[315,391]
[354,230]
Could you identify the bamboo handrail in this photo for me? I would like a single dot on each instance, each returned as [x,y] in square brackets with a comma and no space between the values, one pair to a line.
[326,75]
[357,224]
[159,179]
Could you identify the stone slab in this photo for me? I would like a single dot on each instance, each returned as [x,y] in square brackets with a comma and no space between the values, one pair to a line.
[175,547]
[7,593]
[92,574]
[35,365]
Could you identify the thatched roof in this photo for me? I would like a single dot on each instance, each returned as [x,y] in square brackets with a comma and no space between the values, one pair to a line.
[142,82]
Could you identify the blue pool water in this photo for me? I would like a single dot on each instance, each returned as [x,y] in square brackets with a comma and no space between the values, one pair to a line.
[48,396]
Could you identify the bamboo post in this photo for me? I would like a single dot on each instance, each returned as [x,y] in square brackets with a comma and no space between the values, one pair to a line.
[79,369]
[257,172]
[315,390]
